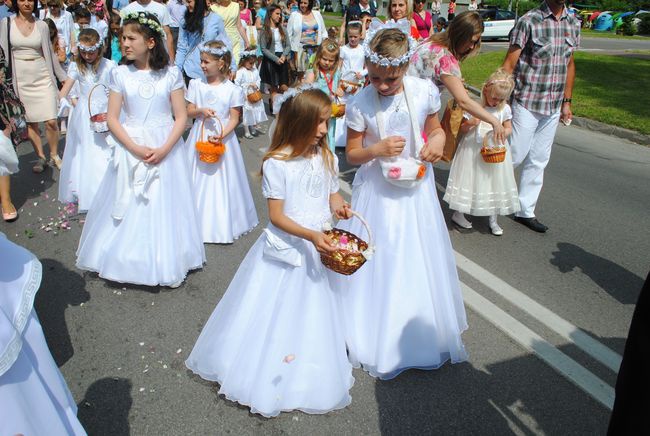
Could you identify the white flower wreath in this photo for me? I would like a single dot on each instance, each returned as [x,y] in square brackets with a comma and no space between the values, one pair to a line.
[375,26]
[213,51]
[143,18]
[288,94]
[90,48]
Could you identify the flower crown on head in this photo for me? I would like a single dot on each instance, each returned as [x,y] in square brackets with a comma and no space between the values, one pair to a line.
[290,93]
[248,53]
[213,51]
[386,61]
[90,48]
[145,19]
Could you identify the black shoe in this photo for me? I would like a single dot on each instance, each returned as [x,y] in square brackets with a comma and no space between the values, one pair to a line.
[532,224]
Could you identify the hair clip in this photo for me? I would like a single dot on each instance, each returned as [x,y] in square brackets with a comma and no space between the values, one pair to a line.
[213,51]
[386,61]
[89,48]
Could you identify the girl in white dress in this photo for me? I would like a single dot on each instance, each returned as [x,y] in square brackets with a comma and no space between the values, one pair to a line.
[474,186]
[275,341]
[248,79]
[222,196]
[86,154]
[403,309]
[142,227]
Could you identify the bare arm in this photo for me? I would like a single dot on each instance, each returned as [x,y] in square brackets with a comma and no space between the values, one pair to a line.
[566,114]
[170,44]
[242,33]
[235,114]
[512,57]
[283,222]
[358,155]
[432,150]
[67,86]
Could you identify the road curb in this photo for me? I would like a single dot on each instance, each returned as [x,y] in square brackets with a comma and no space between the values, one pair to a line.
[597,126]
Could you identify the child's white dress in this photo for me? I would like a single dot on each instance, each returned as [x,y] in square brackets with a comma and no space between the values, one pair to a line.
[275,341]
[86,154]
[222,196]
[479,188]
[403,308]
[253,113]
[142,227]
[352,61]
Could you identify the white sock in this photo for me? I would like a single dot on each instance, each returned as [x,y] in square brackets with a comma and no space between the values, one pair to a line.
[494,226]
[246,131]
[459,218]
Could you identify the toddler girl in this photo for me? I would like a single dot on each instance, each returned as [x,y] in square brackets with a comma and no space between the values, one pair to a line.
[142,226]
[248,79]
[353,74]
[86,153]
[474,186]
[275,343]
[403,309]
[221,193]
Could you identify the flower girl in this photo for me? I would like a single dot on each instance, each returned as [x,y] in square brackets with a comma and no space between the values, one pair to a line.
[248,79]
[275,343]
[404,309]
[474,186]
[142,227]
[86,153]
[222,196]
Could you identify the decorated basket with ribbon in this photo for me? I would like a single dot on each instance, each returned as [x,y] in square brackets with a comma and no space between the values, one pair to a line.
[351,251]
[253,95]
[490,152]
[350,83]
[98,108]
[210,151]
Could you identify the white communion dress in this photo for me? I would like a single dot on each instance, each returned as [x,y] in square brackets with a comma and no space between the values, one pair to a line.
[86,154]
[275,341]
[253,113]
[142,227]
[479,188]
[34,397]
[223,198]
[403,308]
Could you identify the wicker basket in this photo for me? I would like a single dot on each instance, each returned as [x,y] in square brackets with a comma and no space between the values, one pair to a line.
[338,109]
[98,122]
[347,260]
[210,152]
[254,95]
[492,154]
[354,86]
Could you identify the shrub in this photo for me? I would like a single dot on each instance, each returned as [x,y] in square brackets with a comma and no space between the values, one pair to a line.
[644,25]
[524,5]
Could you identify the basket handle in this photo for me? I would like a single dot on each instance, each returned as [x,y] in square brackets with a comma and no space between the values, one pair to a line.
[218,121]
[365,224]
[90,94]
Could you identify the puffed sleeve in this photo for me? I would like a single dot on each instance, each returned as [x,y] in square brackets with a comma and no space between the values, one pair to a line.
[449,64]
[176,78]
[334,181]
[239,77]
[507,113]
[237,97]
[192,90]
[273,179]
[73,71]
[433,102]
[116,82]
[353,117]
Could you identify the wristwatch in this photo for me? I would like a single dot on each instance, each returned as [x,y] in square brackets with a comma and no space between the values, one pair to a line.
[566,100]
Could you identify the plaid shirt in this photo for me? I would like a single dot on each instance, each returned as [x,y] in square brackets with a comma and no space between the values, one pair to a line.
[547,46]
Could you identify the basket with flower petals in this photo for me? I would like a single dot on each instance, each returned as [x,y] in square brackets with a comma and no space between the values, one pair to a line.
[351,251]
[210,151]
[338,108]
[492,153]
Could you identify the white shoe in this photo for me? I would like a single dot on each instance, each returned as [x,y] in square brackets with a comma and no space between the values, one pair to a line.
[248,136]
[176,285]
[494,226]
[460,220]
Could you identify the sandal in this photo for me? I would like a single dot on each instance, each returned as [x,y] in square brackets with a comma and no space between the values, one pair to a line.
[55,161]
[41,163]
[10,216]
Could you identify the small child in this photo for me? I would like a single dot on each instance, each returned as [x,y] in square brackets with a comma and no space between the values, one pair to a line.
[326,74]
[222,196]
[248,79]
[353,74]
[114,36]
[81,20]
[441,25]
[275,342]
[86,153]
[474,186]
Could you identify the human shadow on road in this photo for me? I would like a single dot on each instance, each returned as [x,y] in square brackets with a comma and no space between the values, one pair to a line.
[60,289]
[617,281]
[521,395]
[105,408]
[24,184]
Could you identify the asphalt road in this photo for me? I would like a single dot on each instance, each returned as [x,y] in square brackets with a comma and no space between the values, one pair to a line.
[121,348]
[586,44]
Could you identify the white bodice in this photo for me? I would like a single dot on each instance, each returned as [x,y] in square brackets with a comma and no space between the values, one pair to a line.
[219,98]
[86,81]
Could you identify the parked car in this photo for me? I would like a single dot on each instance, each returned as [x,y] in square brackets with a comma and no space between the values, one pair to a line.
[498,23]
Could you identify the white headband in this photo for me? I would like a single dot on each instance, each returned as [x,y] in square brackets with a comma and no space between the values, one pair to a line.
[89,48]
[288,94]
[383,61]
[213,51]
[248,53]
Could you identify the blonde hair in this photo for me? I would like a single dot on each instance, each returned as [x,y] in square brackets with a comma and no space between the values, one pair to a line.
[409,9]
[296,127]
[91,37]
[461,30]
[390,43]
[226,57]
[329,46]
[499,85]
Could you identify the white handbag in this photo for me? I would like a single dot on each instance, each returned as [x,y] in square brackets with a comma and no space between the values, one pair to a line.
[404,172]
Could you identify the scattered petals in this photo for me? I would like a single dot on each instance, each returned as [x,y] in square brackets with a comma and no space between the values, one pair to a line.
[179,351]
[289,358]
[141,389]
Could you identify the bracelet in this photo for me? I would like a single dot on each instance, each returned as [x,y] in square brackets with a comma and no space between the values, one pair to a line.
[566,100]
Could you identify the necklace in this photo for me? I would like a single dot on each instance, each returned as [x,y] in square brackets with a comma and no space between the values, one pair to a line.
[399,120]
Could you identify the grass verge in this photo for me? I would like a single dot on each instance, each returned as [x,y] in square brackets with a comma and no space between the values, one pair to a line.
[609,89]
[589,33]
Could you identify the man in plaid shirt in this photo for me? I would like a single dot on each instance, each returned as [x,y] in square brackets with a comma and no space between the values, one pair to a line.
[541,56]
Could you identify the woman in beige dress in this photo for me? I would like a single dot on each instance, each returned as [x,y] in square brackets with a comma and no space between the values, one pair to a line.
[34,71]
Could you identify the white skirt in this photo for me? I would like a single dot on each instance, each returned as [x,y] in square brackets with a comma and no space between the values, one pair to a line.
[253,113]
[275,342]
[85,159]
[403,308]
[158,240]
[222,196]
[479,188]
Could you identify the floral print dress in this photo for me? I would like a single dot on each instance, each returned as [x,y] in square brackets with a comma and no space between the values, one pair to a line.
[431,61]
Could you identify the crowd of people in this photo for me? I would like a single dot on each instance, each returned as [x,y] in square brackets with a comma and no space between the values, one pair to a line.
[153,198]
